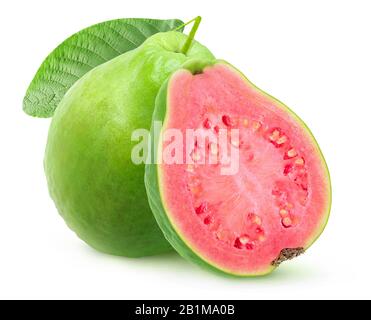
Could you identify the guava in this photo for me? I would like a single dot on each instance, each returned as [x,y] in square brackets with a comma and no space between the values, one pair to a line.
[96,187]
[247,221]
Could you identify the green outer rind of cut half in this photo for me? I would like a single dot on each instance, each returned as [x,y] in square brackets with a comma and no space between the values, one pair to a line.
[153,178]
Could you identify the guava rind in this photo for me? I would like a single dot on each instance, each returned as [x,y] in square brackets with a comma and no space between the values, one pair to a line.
[158,205]
[96,187]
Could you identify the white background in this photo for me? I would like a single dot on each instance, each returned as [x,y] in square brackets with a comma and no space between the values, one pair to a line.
[313,55]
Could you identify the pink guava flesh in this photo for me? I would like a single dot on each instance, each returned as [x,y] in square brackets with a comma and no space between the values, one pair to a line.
[280,196]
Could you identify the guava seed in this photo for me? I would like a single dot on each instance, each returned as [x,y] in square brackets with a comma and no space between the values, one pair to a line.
[284,213]
[281,140]
[207,124]
[227,120]
[256,125]
[299,161]
[286,222]
[291,153]
[207,220]
[202,208]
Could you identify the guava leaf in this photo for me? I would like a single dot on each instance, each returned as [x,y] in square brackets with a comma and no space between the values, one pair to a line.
[82,52]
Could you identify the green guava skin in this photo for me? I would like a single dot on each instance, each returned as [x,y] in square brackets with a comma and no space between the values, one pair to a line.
[96,187]
[154,186]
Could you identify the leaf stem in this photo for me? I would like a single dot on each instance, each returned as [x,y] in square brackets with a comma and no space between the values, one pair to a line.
[191,35]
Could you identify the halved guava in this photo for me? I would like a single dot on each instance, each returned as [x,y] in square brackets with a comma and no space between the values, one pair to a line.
[271,209]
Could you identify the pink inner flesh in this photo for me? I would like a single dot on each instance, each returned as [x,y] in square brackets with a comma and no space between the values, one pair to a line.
[277,199]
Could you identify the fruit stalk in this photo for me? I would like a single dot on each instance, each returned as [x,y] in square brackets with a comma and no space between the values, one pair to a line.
[192,34]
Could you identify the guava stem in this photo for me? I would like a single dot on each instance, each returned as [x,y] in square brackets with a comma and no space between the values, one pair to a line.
[191,35]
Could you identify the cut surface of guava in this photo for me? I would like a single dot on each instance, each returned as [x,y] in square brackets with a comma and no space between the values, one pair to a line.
[271,209]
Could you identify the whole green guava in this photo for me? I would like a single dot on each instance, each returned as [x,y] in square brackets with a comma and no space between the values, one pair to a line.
[96,187]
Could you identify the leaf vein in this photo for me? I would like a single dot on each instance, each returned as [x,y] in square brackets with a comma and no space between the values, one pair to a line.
[104,40]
